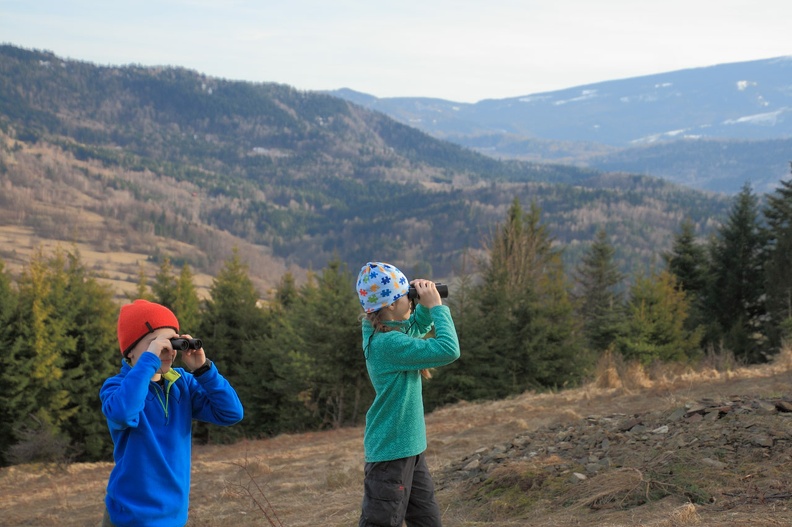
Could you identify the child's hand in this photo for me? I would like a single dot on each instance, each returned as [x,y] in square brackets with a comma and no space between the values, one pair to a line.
[191,358]
[428,296]
[162,348]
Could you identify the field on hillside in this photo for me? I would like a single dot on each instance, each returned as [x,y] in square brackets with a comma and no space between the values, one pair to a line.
[633,448]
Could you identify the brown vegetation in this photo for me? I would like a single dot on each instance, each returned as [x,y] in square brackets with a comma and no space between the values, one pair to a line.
[49,198]
[316,478]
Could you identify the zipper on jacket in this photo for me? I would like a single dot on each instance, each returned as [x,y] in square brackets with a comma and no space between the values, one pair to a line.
[164,403]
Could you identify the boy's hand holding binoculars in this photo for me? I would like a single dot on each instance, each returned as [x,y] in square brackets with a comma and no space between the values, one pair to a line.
[193,355]
[166,349]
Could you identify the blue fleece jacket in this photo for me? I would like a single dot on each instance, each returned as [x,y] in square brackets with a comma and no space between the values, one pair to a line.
[151,427]
[395,426]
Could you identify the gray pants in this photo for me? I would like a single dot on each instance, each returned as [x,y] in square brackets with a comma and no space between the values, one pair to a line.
[106,520]
[399,491]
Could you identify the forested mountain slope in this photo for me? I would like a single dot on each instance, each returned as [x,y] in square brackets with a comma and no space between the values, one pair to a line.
[129,158]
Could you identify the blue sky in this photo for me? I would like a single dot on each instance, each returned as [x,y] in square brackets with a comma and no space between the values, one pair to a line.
[460,50]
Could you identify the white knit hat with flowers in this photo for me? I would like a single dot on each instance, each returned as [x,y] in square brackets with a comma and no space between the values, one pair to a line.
[379,285]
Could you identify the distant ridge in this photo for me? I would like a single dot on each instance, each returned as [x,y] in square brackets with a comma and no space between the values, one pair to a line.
[632,124]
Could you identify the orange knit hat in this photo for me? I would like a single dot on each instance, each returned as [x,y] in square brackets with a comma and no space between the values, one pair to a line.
[138,319]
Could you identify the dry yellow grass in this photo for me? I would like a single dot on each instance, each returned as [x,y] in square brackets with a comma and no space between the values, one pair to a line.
[316,478]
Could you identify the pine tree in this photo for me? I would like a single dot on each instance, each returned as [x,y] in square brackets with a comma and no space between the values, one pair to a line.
[525,334]
[340,387]
[165,287]
[655,325]
[37,399]
[286,293]
[89,315]
[735,294]
[8,415]
[455,382]
[187,305]
[600,301]
[141,287]
[778,270]
[232,328]
[687,261]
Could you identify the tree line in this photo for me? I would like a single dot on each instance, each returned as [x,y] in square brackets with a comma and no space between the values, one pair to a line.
[524,322]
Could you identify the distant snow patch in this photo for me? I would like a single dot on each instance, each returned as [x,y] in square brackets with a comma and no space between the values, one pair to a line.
[678,134]
[760,118]
[535,98]
[584,96]
[744,85]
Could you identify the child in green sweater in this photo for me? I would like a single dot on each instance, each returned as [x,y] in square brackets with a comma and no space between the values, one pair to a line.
[397,485]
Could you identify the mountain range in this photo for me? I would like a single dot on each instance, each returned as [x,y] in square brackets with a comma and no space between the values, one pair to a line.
[712,128]
[169,162]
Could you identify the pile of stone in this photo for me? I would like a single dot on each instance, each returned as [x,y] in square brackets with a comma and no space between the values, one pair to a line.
[719,433]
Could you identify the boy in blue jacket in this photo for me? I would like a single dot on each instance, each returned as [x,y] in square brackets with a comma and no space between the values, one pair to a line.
[149,408]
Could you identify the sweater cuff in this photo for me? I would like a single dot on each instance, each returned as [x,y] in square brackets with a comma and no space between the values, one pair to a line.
[202,369]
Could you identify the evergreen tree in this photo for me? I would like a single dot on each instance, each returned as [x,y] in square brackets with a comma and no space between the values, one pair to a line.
[36,398]
[455,382]
[524,336]
[687,261]
[258,352]
[8,301]
[141,288]
[89,314]
[655,326]
[165,287]
[778,270]
[340,387]
[232,328]
[286,293]
[187,305]
[600,302]
[735,294]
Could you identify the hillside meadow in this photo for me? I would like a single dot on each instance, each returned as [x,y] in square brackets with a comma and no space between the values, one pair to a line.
[727,477]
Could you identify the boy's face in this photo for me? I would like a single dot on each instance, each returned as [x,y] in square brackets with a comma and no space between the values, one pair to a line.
[161,347]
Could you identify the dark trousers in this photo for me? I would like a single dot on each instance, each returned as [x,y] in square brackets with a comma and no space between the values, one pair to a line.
[399,491]
[106,520]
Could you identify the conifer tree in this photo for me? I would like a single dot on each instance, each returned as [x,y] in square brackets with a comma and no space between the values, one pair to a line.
[600,301]
[141,287]
[340,387]
[37,398]
[687,261]
[655,323]
[286,293]
[778,270]
[455,382]
[524,336]
[258,351]
[736,291]
[165,287]
[232,329]
[187,305]
[8,301]
[89,314]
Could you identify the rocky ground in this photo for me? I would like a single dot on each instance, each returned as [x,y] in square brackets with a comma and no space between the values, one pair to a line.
[716,454]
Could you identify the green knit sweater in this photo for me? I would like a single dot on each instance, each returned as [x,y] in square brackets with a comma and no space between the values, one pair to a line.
[395,425]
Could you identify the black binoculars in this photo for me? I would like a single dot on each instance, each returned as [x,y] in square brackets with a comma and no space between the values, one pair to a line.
[180,344]
[412,293]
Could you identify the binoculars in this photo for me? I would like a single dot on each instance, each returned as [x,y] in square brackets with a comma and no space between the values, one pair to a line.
[180,344]
[412,293]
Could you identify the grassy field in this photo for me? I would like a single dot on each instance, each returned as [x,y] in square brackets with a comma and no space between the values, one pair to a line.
[316,478]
